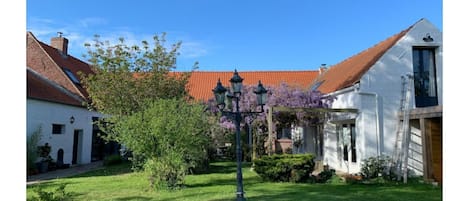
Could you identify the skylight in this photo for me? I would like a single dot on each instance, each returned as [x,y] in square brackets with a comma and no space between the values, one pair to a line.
[316,85]
[71,76]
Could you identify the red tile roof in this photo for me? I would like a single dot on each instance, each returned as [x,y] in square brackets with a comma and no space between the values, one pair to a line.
[41,88]
[51,63]
[349,71]
[201,83]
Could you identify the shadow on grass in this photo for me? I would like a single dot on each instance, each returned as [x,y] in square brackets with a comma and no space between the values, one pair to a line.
[224,167]
[117,169]
[222,182]
[49,184]
[134,198]
[343,192]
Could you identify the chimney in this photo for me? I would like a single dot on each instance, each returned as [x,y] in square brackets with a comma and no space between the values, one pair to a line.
[322,69]
[59,43]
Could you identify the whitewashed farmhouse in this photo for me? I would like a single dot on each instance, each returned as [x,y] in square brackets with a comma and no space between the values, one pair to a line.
[373,82]
[55,103]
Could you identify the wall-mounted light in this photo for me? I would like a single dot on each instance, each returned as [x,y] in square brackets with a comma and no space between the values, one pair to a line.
[72,119]
[427,38]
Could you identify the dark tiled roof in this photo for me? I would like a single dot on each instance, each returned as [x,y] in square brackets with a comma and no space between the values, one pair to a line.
[201,83]
[41,88]
[58,65]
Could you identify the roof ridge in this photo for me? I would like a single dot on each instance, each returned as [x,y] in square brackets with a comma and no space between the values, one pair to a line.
[354,69]
[53,61]
[376,44]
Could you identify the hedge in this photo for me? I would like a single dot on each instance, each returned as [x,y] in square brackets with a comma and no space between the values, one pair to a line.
[285,167]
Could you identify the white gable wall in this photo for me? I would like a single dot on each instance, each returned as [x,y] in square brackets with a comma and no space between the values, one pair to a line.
[384,80]
[44,114]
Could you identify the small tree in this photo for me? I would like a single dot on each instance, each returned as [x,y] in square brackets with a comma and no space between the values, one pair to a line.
[126,78]
[147,106]
[171,134]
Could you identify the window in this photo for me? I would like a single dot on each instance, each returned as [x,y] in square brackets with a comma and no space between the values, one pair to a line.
[72,76]
[316,85]
[58,129]
[353,147]
[424,77]
[284,133]
[347,142]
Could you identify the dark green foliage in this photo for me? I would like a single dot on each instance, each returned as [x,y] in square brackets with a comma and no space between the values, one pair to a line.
[58,195]
[112,160]
[32,149]
[325,176]
[285,167]
[167,172]
[167,140]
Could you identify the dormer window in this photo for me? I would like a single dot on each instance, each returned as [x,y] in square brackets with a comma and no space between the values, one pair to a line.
[72,76]
[316,85]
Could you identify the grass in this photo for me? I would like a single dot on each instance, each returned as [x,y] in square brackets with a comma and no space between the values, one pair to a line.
[119,183]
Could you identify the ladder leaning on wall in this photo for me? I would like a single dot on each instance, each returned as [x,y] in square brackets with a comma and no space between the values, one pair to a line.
[401,146]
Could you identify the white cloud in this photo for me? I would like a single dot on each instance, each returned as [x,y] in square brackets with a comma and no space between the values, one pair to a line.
[92,21]
[82,31]
[193,49]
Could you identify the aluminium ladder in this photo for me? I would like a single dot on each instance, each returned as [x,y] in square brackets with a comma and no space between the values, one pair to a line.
[401,146]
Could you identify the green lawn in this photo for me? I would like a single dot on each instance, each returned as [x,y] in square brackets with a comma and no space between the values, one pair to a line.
[118,183]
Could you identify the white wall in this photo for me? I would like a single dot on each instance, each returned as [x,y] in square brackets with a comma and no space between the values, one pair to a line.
[47,113]
[383,79]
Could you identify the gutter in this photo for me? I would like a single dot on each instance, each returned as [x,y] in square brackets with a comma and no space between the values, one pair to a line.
[344,90]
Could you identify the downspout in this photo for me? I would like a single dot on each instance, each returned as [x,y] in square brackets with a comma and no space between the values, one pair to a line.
[378,133]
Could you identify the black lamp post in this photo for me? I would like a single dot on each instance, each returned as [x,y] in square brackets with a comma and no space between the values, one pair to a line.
[221,93]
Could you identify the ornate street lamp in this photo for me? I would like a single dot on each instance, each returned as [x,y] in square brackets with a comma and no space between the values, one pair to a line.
[224,99]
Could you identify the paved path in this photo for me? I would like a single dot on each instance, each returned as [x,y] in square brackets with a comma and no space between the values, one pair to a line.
[78,169]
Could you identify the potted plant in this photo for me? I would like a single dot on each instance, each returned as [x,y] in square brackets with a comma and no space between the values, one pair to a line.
[44,156]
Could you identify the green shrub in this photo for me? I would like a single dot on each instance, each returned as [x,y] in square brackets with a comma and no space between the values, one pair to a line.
[285,167]
[335,179]
[31,152]
[167,172]
[112,160]
[325,176]
[374,167]
[58,195]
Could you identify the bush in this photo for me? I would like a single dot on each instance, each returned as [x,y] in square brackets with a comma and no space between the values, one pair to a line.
[167,172]
[373,168]
[32,153]
[58,195]
[112,160]
[285,167]
[326,176]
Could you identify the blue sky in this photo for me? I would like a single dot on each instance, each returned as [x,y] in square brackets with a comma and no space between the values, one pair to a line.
[241,34]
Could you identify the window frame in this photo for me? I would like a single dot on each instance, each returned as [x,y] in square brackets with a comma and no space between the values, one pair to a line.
[347,141]
[56,127]
[422,92]
[72,76]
